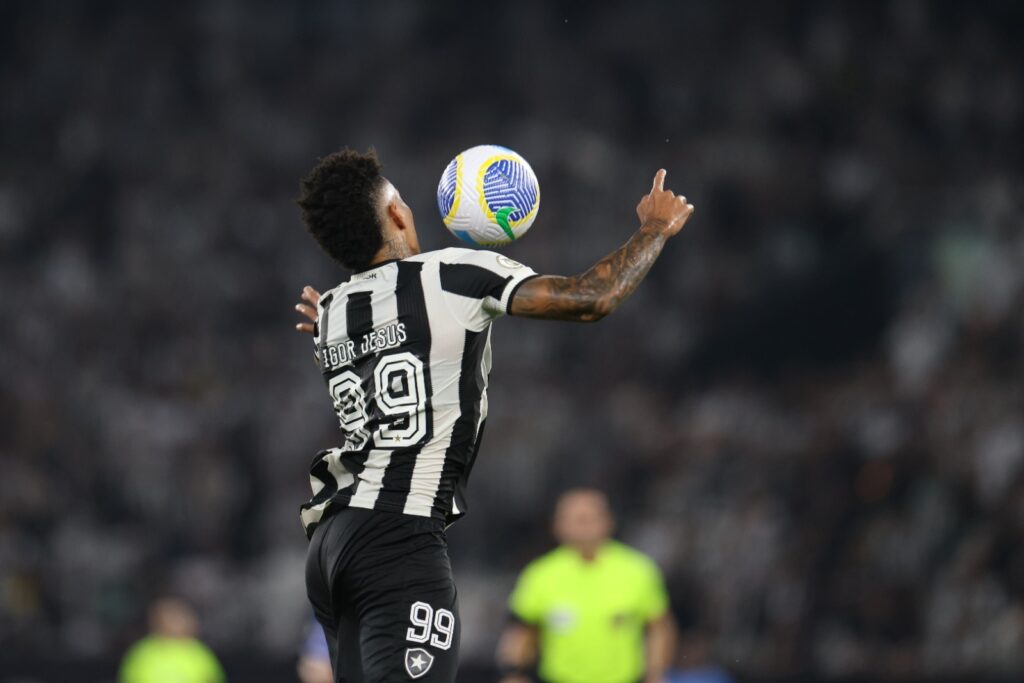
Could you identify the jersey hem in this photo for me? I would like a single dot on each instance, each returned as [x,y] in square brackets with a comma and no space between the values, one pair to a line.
[335,506]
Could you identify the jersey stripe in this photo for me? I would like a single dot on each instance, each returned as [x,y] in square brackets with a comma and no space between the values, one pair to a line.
[324,323]
[411,310]
[464,443]
[359,322]
[329,471]
[327,476]
[359,311]
[333,319]
[472,281]
[383,308]
[483,372]
[427,468]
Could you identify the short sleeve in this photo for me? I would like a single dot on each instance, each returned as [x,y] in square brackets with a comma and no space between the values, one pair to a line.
[527,600]
[654,596]
[130,667]
[212,669]
[481,284]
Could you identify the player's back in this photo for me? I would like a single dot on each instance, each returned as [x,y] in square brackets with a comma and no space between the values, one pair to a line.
[405,350]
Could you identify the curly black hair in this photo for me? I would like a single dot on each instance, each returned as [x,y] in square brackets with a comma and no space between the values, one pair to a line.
[339,206]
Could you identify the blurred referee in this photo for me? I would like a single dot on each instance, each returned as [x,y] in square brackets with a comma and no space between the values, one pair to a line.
[591,611]
[172,652]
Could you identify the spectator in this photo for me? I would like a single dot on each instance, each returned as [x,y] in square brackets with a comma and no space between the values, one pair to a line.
[314,664]
[695,663]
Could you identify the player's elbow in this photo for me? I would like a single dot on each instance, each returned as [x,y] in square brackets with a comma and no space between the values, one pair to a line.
[598,309]
[592,314]
[517,646]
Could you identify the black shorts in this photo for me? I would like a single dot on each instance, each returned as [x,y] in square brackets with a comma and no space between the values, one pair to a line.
[381,586]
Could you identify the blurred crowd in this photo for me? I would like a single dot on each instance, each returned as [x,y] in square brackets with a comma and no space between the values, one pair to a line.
[811,414]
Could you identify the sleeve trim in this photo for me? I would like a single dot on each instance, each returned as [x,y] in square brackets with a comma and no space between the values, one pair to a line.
[515,618]
[515,288]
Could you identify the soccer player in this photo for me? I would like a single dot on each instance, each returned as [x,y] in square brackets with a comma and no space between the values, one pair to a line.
[404,347]
[593,610]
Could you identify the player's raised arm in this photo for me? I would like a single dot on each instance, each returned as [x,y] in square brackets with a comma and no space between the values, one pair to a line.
[592,295]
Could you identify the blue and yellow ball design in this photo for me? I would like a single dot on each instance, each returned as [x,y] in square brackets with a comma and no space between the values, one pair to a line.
[488,195]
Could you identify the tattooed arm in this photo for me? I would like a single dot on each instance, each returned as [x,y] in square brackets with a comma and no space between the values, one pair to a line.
[599,291]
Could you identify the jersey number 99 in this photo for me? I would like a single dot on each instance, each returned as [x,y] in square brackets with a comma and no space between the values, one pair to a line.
[401,396]
[427,625]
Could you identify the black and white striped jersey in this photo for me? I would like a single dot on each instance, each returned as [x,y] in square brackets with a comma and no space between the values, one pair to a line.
[405,349]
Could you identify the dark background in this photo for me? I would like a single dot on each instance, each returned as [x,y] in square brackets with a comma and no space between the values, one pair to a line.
[811,414]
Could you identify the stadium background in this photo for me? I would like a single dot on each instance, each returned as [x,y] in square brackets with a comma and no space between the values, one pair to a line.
[812,414]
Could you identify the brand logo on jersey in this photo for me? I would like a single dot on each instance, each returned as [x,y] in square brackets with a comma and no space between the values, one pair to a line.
[372,275]
[561,619]
[417,662]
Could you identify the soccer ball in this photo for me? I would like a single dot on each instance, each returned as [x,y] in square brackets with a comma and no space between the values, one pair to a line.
[488,195]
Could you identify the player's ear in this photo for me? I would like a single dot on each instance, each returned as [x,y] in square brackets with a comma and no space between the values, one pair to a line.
[394,210]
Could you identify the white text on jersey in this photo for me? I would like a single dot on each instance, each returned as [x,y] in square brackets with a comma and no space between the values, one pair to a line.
[379,339]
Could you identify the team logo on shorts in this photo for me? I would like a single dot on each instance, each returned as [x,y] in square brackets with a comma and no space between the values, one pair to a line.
[417,661]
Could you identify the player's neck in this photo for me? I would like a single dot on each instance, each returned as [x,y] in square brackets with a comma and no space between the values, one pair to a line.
[394,249]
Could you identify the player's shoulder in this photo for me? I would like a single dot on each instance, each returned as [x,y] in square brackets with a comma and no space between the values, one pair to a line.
[335,292]
[475,273]
[446,255]
[552,561]
[452,255]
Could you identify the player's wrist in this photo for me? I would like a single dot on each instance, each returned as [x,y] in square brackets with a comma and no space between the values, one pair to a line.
[655,226]
[654,676]
[512,671]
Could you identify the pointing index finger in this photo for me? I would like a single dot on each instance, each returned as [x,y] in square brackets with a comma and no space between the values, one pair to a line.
[659,180]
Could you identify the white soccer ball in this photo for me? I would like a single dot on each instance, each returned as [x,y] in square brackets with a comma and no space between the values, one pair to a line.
[488,195]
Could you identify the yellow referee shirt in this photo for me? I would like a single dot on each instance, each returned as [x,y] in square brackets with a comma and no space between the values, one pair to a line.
[591,615]
[170,660]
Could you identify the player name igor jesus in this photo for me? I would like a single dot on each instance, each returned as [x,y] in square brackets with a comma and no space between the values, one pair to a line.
[379,339]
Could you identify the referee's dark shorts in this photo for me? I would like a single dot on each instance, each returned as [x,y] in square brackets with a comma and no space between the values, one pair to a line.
[381,585]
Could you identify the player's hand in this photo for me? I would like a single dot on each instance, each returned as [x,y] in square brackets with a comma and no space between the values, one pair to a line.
[662,210]
[308,309]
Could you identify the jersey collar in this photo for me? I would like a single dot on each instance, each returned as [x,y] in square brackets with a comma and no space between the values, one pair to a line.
[375,266]
[602,552]
[371,272]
